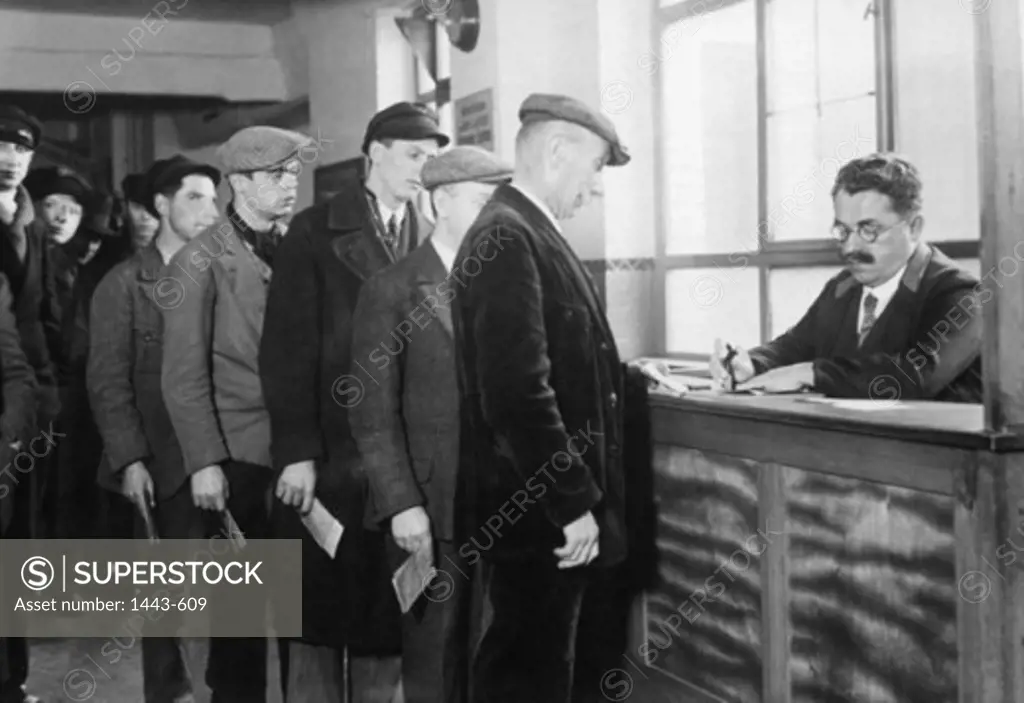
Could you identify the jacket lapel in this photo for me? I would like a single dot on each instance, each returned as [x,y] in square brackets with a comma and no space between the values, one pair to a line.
[576,272]
[359,247]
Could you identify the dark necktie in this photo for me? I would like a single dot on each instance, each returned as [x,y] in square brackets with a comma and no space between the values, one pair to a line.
[870,305]
[391,238]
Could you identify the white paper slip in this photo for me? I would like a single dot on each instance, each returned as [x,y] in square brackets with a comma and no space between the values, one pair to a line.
[863,404]
[324,527]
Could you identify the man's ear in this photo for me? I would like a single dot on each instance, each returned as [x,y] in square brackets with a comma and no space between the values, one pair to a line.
[917,227]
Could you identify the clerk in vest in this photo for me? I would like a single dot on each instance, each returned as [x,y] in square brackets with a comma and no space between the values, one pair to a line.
[901,322]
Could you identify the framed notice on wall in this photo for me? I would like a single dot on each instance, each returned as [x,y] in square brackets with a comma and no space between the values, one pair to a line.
[330,180]
[474,119]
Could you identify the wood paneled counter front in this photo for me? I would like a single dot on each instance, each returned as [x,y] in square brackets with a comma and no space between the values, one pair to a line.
[819,554]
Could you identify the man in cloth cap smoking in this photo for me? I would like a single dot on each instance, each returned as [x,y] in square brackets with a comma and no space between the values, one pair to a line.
[213,301]
[305,364]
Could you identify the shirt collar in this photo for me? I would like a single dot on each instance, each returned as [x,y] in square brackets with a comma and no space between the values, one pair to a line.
[540,204]
[884,291]
[445,253]
[386,213]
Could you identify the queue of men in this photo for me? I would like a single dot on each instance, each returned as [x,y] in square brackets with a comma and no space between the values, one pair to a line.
[429,377]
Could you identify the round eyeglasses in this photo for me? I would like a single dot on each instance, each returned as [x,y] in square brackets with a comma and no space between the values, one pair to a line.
[869,232]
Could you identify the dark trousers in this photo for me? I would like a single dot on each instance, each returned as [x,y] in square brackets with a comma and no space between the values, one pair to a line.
[165,674]
[237,668]
[552,635]
[435,634]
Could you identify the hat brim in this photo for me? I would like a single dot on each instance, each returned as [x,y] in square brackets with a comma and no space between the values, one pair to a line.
[618,156]
[495,179]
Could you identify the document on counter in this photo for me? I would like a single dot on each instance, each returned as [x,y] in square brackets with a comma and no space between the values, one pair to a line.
[324,527]
[412,577]
[859,404]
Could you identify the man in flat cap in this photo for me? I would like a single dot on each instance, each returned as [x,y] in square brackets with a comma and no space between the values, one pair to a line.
[541,386]
[213,322]
[406,427]
[305,359]
[142,458]
[21,264]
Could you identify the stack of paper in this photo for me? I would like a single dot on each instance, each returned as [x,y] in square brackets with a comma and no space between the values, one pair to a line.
[324,527]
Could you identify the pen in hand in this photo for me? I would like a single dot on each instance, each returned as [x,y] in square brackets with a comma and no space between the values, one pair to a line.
[731,353]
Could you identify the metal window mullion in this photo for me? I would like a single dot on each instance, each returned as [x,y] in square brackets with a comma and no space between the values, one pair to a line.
[885,107]
[761,29]
[659,303]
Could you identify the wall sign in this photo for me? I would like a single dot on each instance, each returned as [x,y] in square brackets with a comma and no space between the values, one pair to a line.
[474,119]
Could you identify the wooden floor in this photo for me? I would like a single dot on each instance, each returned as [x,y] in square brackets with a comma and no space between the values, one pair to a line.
[108,671]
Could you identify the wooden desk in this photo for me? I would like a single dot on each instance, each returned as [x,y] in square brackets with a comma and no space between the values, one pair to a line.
[811,553]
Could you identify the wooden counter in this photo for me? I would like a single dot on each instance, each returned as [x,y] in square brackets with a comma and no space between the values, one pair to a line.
[812,553]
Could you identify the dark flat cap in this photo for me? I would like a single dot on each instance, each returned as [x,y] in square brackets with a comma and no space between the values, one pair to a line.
[19,127]
[167,173]
[43,182]
[405,121]
[260,148]
[464,163]
[134,188]
[540,107]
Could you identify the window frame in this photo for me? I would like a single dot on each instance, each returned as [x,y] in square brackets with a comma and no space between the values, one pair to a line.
[769,254]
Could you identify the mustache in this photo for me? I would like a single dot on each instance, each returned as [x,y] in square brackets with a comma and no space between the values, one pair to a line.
[858,257]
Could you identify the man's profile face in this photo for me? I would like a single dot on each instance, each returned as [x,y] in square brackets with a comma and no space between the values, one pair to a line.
[192,208]
[578,166]
[460,204]
[273,192]
[401,163]
[14,162]
[874,263]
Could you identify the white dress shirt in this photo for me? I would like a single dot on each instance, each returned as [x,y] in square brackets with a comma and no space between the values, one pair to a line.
[445,253]
[541,205]
[387,214]
[883,293]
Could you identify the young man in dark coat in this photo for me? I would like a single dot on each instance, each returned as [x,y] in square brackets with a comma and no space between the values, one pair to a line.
[143,459]
[902,321]
[542,485]
[407,425]
[305,364]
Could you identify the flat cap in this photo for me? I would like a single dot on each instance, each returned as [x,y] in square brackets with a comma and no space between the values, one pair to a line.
[260,148]
[43,182]
[19,127]
[540,107]
[464,163]
[166,173]
[405,121]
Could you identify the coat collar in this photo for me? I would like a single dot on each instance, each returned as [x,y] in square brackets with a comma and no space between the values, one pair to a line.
[547,230]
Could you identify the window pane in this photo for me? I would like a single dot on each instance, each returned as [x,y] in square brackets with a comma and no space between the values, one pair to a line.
[791,292]
[806,148]
[446,118]
[709,88]
[444,53]
[706,303]
[822,107]
[972,266]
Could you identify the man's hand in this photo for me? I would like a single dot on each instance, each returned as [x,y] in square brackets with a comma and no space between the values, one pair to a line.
[785,379]
[580,542]
[297,486]
[137,485]
[742,365]
[411,529]
[210,488]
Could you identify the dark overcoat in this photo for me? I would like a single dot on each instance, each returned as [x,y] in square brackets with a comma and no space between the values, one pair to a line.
[309,384]
[542,389]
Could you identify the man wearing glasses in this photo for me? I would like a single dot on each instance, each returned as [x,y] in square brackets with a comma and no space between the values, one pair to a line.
[901,322]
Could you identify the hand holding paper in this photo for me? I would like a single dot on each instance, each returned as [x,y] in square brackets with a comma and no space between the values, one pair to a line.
[412,578]
[324,527]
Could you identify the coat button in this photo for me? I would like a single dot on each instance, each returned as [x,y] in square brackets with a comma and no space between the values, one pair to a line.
[613,399]
[568,314]
[604,346]
[148,337]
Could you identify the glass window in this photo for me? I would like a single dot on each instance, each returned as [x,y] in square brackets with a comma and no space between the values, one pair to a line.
[821,107]
[708,71]
[791,291]
[702,304]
